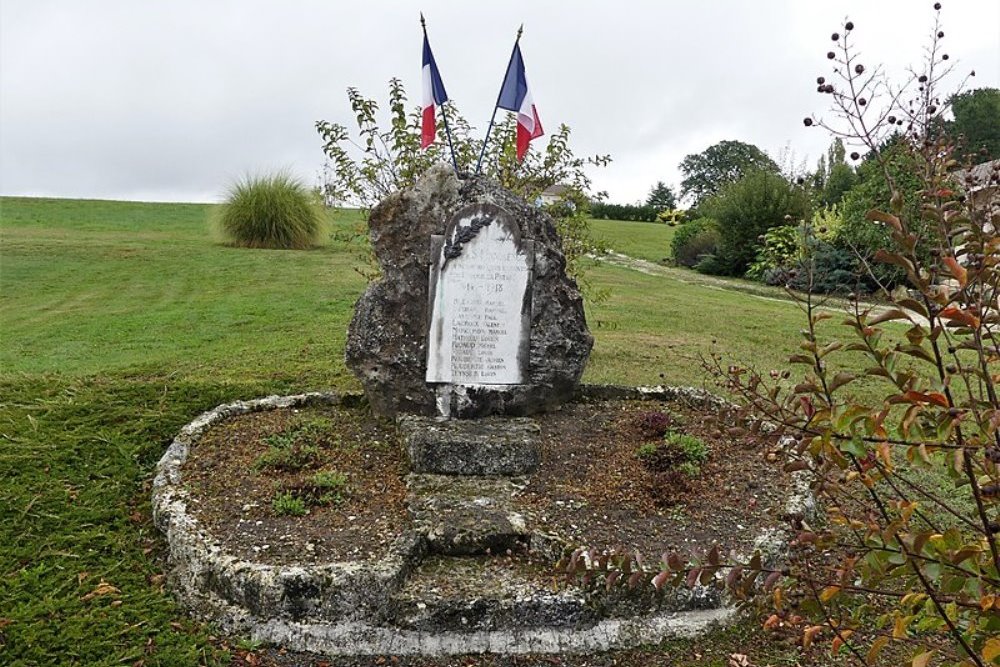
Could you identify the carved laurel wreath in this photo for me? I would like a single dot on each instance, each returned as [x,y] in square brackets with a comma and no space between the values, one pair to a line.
[453,244]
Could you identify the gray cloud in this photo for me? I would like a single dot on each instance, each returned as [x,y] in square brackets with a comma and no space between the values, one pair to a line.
[173,100]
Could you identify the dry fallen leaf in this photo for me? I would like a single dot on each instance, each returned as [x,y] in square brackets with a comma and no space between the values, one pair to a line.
[739,660]
[103,588]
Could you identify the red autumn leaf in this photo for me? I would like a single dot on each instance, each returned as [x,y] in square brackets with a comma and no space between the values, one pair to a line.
[957,270]
[953,314]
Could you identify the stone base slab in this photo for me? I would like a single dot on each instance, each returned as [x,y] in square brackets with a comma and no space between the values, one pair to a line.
[482,447]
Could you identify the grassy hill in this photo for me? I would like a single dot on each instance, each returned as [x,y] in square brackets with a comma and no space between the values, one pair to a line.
[121,321]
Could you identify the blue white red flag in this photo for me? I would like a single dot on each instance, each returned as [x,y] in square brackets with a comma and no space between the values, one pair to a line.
[434,96]
[516,96]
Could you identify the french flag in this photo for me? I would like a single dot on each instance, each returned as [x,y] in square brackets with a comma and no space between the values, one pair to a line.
[515,96]
[434,96]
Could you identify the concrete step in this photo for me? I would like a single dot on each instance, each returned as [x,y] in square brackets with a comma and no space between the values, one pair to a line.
[467,515]
[482,447]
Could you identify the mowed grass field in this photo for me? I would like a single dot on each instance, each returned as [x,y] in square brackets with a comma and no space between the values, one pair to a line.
[643,240]
[120,322]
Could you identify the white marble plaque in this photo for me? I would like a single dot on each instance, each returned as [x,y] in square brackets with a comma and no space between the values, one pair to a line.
[480,300]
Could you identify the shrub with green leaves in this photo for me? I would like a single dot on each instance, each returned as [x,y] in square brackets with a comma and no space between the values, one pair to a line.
[286,504]
[694,240]
[276,211]
[747,209]
[782,249]
[391,158]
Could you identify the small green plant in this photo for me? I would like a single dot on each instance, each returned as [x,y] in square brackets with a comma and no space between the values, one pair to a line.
[275,211]
[288,456]
[676,452]
[286,504]
[296,447]
[647,450]
[246,644]
[329,486]
[693,450]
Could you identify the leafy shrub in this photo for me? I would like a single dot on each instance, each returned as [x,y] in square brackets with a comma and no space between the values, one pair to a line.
[782,248]
[745,210]
[286,504]
[392,159]
[693,240]
[899,430]
[274,211]
[866,237]
[830,270]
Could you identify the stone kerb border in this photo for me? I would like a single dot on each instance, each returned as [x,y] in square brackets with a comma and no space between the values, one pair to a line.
[231,591]
[344,608]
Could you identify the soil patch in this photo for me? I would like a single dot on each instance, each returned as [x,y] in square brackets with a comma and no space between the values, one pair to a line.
[357,510]
[606,479]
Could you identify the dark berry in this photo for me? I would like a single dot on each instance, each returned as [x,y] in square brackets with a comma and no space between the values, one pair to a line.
[831,55]
[858,69]
[849,26]
[835,36]
[944,57]
[862,101]
[937,5]
[820,80]
[892,120]
[922,78]
[940,34]
[801,180]
[829,87]
[931,109]
[855,156]
[807,121]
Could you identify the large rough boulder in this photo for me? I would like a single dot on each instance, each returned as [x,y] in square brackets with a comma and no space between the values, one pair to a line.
[387,338]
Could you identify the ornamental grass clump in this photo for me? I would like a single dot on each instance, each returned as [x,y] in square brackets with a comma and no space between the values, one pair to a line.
[276,211]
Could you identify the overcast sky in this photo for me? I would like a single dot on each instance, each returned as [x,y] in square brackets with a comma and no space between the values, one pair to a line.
[172,100]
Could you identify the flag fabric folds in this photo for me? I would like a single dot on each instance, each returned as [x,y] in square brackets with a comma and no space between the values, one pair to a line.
[434,96]
[516,96]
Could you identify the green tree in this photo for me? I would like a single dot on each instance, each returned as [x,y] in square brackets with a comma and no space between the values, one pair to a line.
[977,117]
[706,173]
[889,169]
[745,210]
[840,177]
[661,197]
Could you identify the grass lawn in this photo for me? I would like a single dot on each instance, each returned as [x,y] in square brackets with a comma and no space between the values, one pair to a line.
[122,321]
[644,240]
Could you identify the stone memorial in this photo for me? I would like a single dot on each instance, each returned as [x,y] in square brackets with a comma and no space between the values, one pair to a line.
[474,314]
[472,329]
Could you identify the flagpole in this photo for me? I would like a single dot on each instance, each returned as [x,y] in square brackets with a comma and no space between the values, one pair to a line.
[497,105]
[444,113]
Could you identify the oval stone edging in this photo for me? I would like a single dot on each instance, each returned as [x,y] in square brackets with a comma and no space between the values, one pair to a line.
[343,608]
